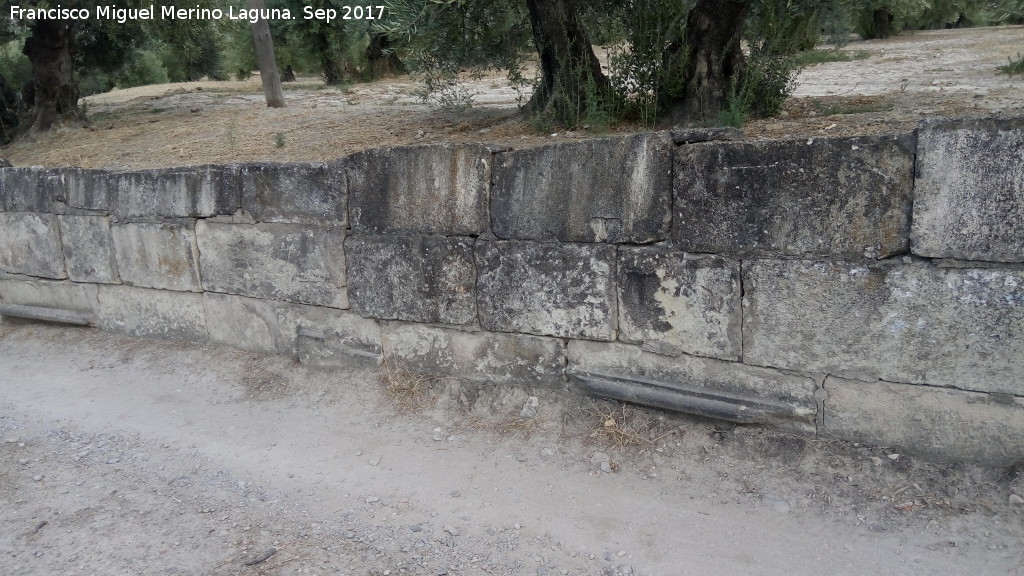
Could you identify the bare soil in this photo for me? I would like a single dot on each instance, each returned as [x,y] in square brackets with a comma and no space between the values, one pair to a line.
[127,456]
[934,74]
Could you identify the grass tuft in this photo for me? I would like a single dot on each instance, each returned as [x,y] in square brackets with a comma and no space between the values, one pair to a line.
[624,426]
[408,391]
[1014,66]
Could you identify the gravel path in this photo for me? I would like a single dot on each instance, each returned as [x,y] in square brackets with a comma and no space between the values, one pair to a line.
[124,456]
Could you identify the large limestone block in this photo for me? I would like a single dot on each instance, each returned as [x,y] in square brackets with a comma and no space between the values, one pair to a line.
[294,193]
[490,357]
[89,191]
[435,189]
[89,249]
[30,244]
[911,323]
[605,190]
[152,313]
[291,262]
[243,323]
[779,398]
[326,337]
[62,295]
[32,189]
[679,303]
[969,194]
[941,424]
[835,196]
[55,190]
[158,255]
[415,278]
[562,290]
[187,192]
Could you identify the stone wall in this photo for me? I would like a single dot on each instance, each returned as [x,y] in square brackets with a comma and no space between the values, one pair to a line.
[868,288]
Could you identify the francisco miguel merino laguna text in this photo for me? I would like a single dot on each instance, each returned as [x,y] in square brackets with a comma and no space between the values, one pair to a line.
[122,15]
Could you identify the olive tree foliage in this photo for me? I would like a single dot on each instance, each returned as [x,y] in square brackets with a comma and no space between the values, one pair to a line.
[884,18]
[63,57]
[680,60]
[340,51]
[443,40]
[669,61]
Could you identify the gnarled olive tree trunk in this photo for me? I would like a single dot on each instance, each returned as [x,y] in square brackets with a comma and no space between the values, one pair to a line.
[53,93]
[711,59]
[571,77]
[380,59]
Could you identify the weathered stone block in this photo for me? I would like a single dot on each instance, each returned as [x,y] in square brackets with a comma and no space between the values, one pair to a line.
[30,245]
[294,193]
[158,255]
[32,189]
[277,261]
[151,313]
[839,196]
[489,357]
[695,135]
[189,192]
[940,424]
[436,189]
[244,323]
[89,191]
[791,396]
[969,195]
[62,295]
[416,278]
[563,290]
[325,337]
[606,190]
[676,303]
[88,249]
[901,323]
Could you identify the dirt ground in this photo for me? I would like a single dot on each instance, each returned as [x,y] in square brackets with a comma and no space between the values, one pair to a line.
[942,73]
[128,456]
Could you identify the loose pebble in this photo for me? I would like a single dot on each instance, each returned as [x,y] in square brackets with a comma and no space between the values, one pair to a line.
[529,410]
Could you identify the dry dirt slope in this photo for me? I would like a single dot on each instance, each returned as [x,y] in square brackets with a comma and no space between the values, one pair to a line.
[903,80]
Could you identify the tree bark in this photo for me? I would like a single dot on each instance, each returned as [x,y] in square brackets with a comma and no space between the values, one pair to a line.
[710,57]
[53,92]
[379,61]
[572,82]
[882,23]
[269,74]
[10,112]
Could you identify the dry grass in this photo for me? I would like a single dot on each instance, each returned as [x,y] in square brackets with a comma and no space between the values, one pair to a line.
[516,427]
[409,392]
[624,426]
